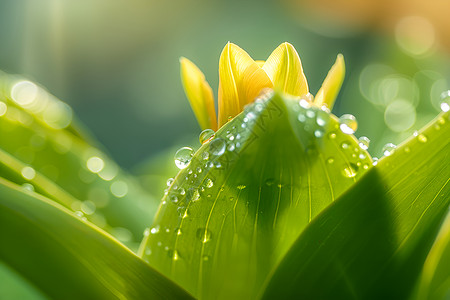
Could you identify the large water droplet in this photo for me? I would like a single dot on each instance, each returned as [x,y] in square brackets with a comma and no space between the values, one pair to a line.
[204,235]
[348,124]
[217,147]
[206,135]
[364,142]
[183,157]
[169,181]
[388,149]
[445,103]
[154,230]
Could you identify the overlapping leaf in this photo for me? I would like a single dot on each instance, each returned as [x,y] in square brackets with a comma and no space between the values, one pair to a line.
[68,258]
[372,242]
[230,217]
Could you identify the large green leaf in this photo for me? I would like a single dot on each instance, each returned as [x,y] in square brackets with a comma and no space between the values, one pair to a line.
[435,280]
[53,159]
[68,258]
[232,214]
[372,242]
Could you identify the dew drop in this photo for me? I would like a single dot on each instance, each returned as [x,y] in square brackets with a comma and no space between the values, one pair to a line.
[310,113]
[173,199]
[154,230]
[364,142]
[169,181]
[199,170]
[209,183]
[332,135]
[179,232]
[183,157]
[345,145]
[422,138]
[147,232]
[388,149]
[350,170]
[204,235]
[322,118]
[231,147]
[348,124]
[217,147]
[445,103]
[28,187]
[206,135]
[330,160]
[304,103]
[318,133]
[375,161]
[301,117]
[195,195]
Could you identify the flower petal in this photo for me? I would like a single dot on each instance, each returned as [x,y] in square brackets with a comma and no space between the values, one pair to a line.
[332,84]
[199,94]
[240,81]
[285,70]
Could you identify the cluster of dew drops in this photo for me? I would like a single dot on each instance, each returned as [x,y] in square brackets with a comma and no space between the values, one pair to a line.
[218,146]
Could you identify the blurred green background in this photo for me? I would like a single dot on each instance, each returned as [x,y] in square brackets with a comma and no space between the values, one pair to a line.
[116,62]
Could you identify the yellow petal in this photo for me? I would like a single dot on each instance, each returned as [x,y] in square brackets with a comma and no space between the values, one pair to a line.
[332,84]
[240,81]
[199,94]
[285,70]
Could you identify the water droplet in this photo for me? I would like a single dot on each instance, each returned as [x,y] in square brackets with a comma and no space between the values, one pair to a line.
[364,142]
[350,170]
[179,232]
[169,181]
[206,135]
[348,124]
[362,156]
[375,161]
[301,117]
[209,183]
[217,147]
[182,191]
[407,150]
[365,166]
[241,187]
[173,199]
[204,235]
[183,157]
[231,147]
[154,230]
[345,145]
[176,256]
[147,232]
[199,170]
[319,133]
[28,173]
[195,195]
[388,149]
[322,118]
[28,187]
[330,160]
[422,138]
[445,103]
[310,113]
[332,135]
[304,103]
[205,155]
[95,164]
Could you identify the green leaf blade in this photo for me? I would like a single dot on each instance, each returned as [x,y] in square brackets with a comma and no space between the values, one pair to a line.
[69,259]
[223,239]
[371,243]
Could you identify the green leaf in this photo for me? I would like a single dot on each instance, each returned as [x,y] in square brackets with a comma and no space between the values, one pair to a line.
[71,259]
[232,214]
[57,158]
[372,242]
[435,279]
[14,286]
